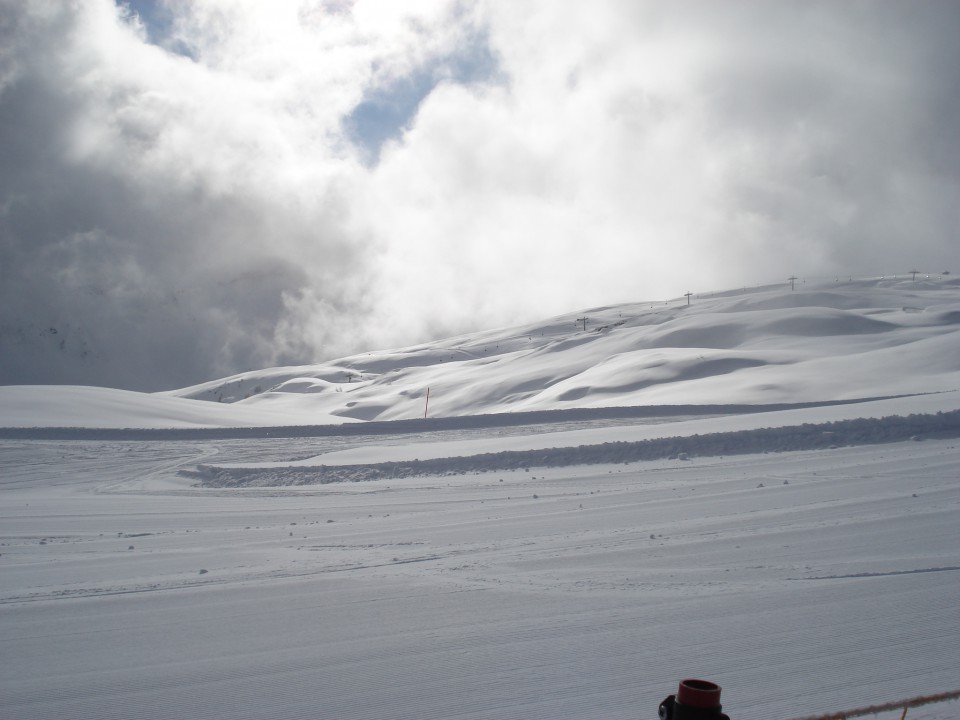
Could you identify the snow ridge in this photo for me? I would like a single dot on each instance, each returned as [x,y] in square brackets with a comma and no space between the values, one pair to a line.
[808,436]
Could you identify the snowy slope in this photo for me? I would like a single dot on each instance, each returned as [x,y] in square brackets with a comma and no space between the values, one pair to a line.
[844,340]
[32,406]
[801,582]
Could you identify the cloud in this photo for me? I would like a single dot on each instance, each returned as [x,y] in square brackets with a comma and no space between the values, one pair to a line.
[640,150]
[193,189]
[169,217]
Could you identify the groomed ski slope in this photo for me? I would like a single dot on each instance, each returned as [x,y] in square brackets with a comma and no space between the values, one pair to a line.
[802,581]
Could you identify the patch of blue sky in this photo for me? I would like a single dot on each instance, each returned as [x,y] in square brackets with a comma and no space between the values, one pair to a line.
[157,20]
[386,112]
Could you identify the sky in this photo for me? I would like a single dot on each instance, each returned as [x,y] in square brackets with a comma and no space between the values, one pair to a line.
[190,189]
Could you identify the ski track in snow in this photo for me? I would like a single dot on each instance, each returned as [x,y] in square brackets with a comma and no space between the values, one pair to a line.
[801,582]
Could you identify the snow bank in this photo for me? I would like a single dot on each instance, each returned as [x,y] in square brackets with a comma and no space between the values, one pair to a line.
[62,406]
[859,431]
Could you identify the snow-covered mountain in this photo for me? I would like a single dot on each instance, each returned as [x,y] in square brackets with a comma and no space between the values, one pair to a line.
[762,346]
[835,341]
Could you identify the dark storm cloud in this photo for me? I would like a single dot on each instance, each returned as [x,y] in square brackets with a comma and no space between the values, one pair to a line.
[124,262]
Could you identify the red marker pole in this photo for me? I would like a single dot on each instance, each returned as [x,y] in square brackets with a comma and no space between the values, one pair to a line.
[426,405]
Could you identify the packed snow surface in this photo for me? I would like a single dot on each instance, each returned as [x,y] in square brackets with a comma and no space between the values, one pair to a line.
[801,582]
[29,406]
[178,558]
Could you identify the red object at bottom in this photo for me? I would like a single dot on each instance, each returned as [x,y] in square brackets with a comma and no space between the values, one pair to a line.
[699,694]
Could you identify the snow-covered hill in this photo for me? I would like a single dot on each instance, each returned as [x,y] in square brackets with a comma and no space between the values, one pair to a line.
[845,340]
[836,341]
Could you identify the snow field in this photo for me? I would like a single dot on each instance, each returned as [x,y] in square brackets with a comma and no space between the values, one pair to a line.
[557,564]
[566,592]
